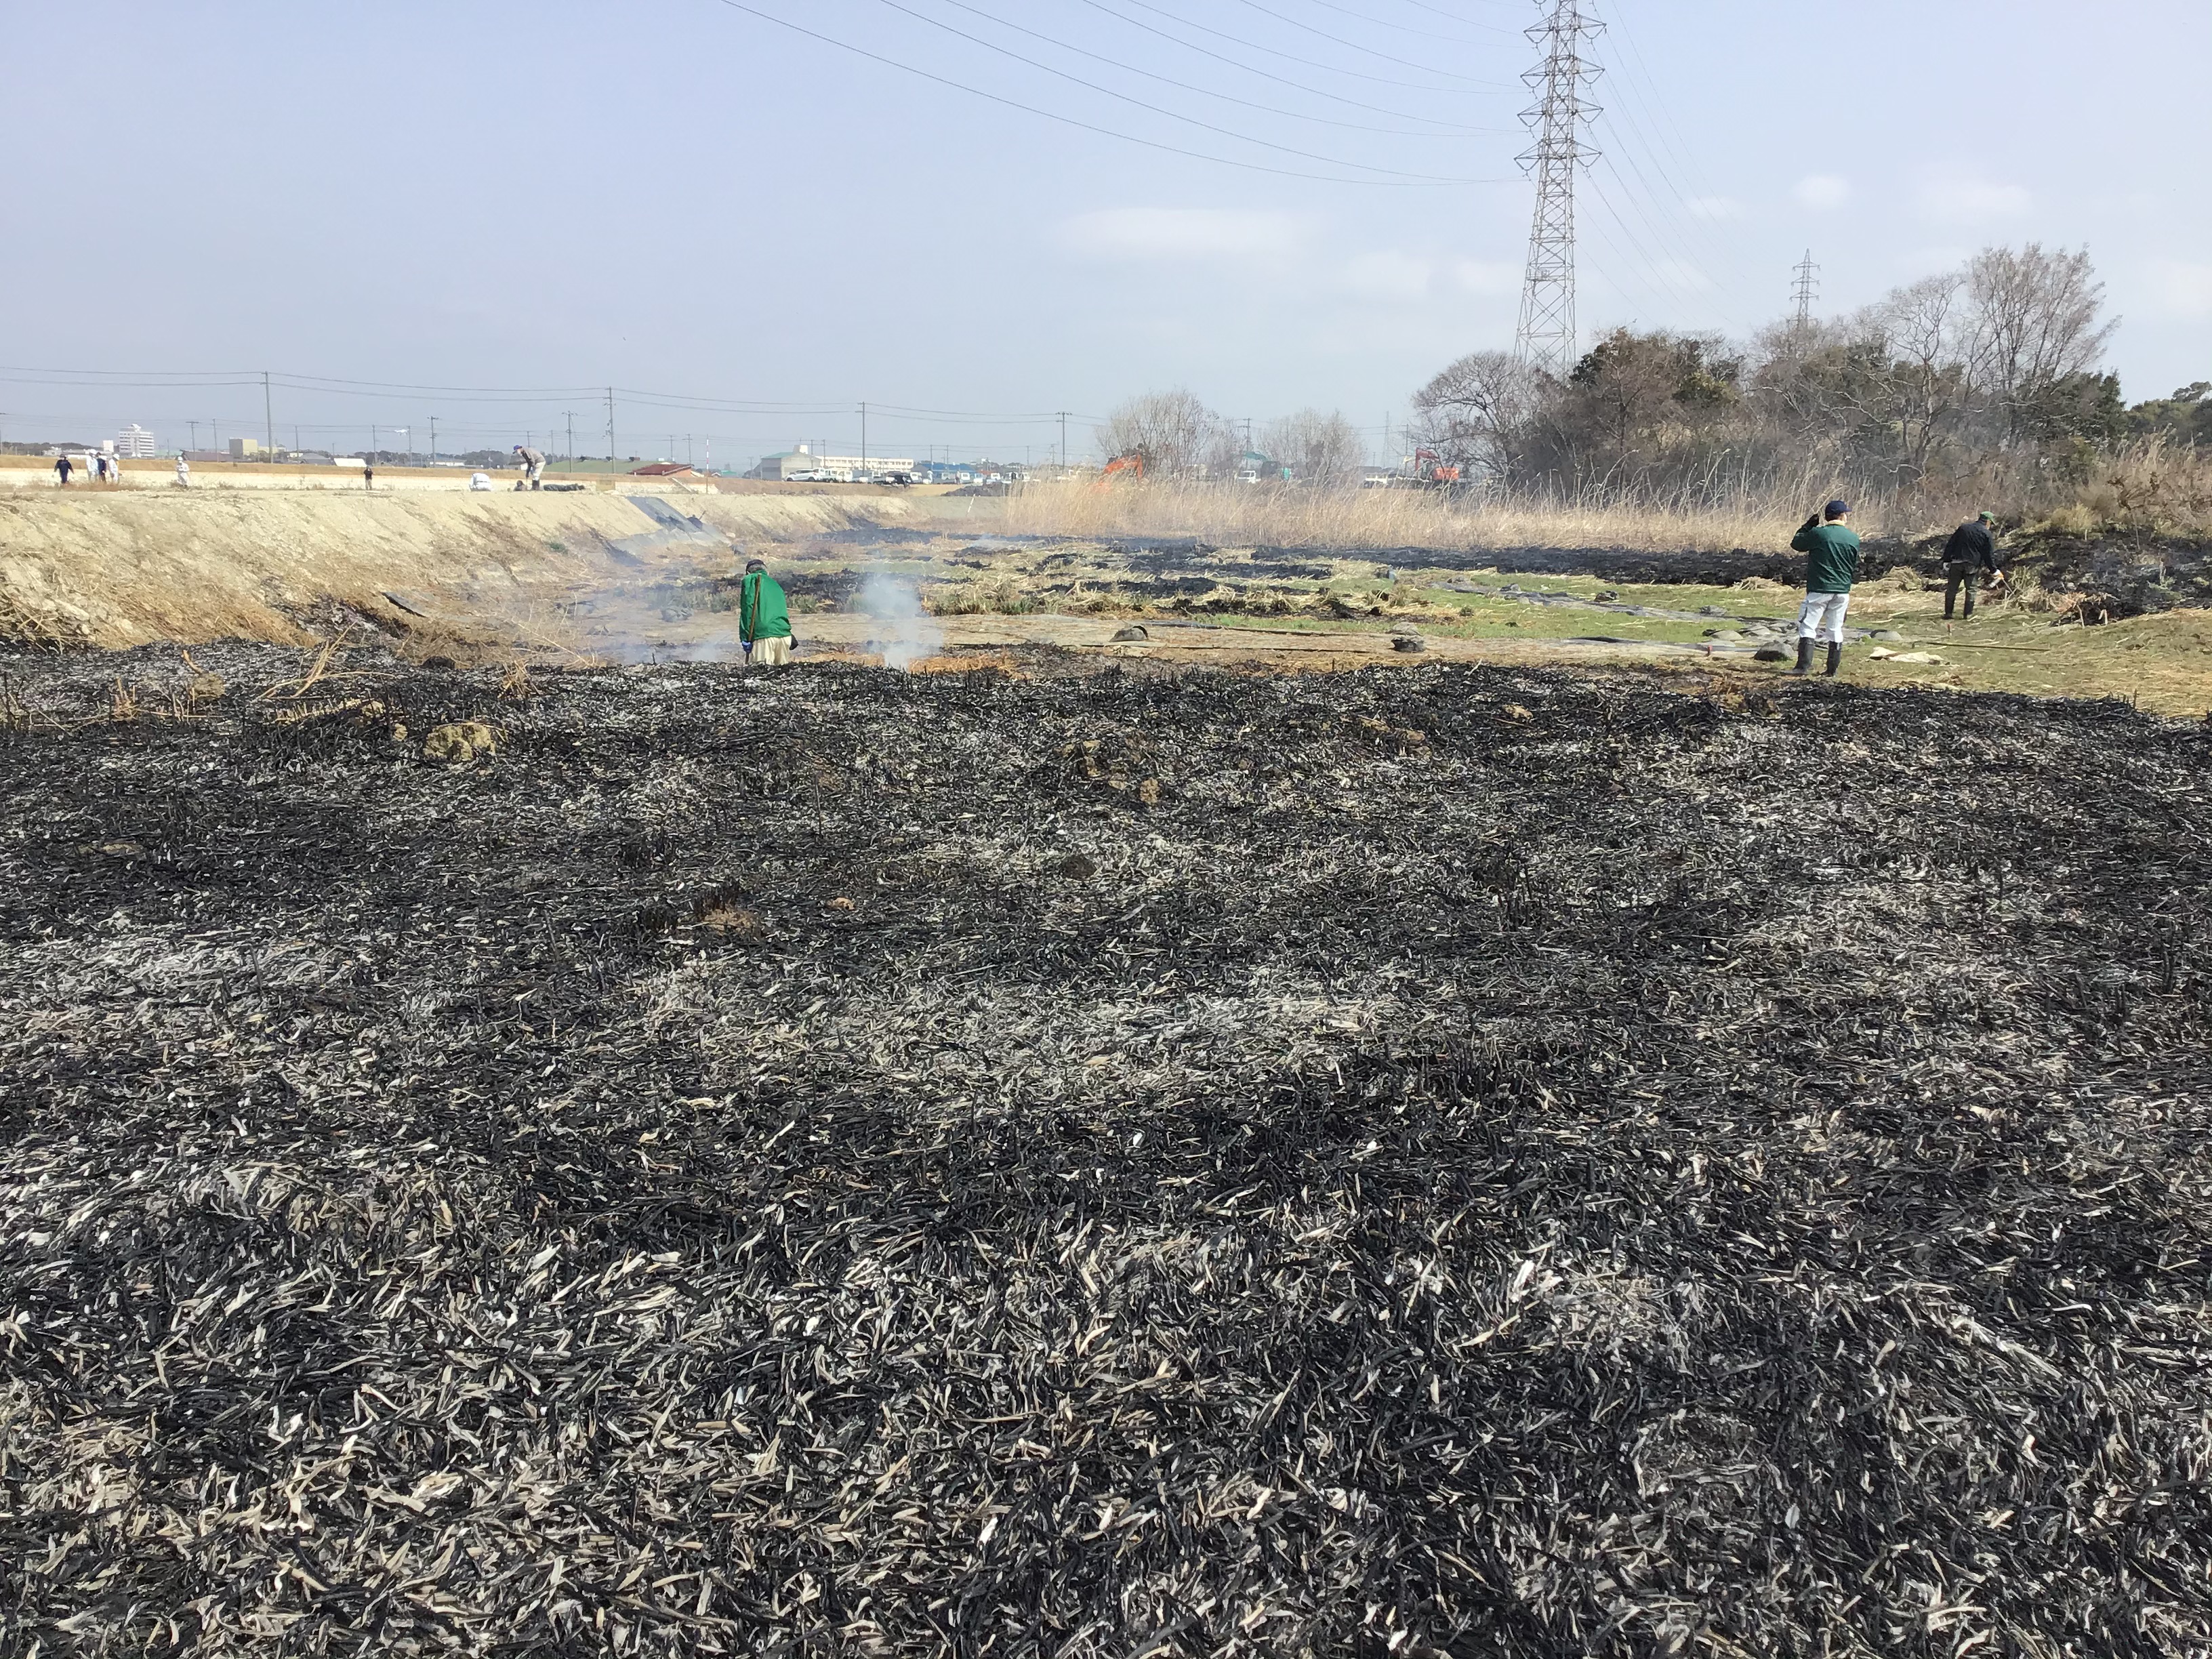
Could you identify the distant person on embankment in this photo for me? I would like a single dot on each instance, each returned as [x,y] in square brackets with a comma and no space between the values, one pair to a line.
[184,473]
[62,471]
[533,467]
[367,476]
[1971,550]
[1830,548]
[763,618]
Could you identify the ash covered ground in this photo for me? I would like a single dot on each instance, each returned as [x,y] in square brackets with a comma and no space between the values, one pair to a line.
[1441,1160]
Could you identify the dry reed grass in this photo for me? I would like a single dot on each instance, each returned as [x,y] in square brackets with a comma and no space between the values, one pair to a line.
[1232,515]
[2153,489]
[999,596]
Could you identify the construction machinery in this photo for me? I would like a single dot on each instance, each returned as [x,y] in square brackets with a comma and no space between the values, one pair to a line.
[1431,471]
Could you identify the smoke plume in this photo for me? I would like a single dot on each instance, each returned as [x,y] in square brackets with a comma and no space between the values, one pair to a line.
[907,632]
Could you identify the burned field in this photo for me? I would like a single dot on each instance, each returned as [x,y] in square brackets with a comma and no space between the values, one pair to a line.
[1433,1161]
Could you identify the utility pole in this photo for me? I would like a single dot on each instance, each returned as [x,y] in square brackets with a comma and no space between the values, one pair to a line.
[1806,290]
[1545,339]
[1063,441]
[268,414]
[611,423]
[434,441]
[864,434]
[195,426]
[571,454]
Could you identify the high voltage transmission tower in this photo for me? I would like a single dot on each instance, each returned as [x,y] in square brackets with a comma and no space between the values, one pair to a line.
[1806,289]
[1546,338]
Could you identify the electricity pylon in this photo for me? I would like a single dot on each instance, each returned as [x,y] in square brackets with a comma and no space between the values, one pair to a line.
[1807,289]
[1545,339]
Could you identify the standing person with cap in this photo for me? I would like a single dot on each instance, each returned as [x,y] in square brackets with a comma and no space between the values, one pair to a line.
[1971,550]
[1830,548]
[62,471]
[763,618]
[533,467]
[183,471]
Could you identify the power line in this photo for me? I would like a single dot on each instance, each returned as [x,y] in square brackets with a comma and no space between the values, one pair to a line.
[1069,120]
[1450,128]
[1158,109]
[1293,57]
[1339,40]
[1403,28]
[1264,74]
[1546,336]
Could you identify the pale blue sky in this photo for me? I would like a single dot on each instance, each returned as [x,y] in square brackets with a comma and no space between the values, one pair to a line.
[675,195]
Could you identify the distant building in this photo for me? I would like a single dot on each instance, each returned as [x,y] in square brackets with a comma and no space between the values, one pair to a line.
[664,470]
[135,442]
[242,449]
[800,459]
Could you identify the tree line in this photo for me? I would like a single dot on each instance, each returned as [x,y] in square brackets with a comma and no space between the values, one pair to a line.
[1177,436]
[1990,375]
[1987,379]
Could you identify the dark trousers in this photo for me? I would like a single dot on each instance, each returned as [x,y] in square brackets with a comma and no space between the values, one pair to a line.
[1955,577]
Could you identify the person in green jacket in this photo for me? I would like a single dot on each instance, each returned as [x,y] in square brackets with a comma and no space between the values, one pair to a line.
[1830,548]
[763,618]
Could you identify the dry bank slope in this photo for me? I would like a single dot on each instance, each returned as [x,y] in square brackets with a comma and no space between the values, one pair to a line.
[121,570]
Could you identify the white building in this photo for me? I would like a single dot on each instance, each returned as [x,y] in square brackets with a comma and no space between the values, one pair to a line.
[800,459]
[135,442]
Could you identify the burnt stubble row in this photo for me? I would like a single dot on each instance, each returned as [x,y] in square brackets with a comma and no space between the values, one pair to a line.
[1445,1160]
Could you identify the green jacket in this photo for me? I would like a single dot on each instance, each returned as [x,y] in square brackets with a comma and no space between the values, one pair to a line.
[762,612]
[1831,556]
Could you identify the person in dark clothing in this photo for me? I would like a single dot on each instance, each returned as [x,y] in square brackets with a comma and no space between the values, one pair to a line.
[1971,550]
[62,471]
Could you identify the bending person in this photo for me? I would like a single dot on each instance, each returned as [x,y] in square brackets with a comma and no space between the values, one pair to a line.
[1971,550]
[763,618]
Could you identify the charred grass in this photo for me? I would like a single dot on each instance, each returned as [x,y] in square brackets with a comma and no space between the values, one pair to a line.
[1442,1161]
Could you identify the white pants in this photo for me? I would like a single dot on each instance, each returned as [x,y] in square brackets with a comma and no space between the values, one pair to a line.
[1821,616]
[773,651]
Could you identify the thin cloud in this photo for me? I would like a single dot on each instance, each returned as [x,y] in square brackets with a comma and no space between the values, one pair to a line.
[1822,189]
[1388,276]
[1182,235]
[1486,277]
[1969,198]
[2183,289]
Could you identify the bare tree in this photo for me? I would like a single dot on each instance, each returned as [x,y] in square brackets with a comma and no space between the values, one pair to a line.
[2035,324]
[1476,412]
[1318,449]
[1172,430]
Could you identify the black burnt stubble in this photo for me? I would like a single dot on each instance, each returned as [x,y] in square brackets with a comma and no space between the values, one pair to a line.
[1546,1165]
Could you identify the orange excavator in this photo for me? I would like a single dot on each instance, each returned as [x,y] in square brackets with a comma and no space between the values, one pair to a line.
[1430,473]
[1131,466]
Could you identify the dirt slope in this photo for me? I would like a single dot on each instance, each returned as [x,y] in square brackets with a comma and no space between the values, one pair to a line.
[122,569]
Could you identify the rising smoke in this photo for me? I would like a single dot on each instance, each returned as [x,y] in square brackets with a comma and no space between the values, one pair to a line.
[909,632]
